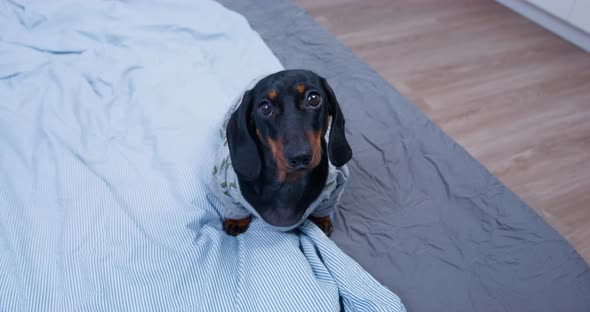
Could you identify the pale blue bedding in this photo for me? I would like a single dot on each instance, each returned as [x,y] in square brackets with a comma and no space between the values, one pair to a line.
[109,116]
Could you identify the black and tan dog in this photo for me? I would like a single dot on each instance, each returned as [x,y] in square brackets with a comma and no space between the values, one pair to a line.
[278,150]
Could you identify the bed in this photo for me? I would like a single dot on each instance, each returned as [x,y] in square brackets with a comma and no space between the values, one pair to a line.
[421,215]
[108,113]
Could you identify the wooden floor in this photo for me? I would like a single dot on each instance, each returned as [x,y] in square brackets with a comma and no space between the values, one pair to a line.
[514,95]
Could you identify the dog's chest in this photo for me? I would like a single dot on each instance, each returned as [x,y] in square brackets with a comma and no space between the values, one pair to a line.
[295,195]
[239,199]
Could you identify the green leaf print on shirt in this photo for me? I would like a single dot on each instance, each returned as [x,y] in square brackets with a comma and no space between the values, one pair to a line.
[328,185]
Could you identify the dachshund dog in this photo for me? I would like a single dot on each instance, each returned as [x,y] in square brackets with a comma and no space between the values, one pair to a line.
[279,153]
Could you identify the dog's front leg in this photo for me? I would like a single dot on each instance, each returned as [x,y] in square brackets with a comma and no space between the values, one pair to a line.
[324,223]
[235,227]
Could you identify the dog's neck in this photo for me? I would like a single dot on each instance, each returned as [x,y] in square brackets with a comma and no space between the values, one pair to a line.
[295,192]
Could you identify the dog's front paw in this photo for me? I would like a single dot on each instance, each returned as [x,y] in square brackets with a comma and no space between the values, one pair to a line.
[235,227]
[324,223]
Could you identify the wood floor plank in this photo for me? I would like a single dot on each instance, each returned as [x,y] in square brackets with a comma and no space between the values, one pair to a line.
[514,95]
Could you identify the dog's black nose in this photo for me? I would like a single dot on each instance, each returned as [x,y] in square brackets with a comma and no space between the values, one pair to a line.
[299,160]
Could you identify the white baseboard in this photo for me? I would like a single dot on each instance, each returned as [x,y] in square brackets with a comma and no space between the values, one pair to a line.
[550,22]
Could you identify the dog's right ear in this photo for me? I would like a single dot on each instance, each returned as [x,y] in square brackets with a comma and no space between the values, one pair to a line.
[242,148]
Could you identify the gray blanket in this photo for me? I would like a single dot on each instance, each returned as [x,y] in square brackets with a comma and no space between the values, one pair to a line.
[420,214]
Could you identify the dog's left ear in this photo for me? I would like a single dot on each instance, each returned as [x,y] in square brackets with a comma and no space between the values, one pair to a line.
[338,149]
[242,147]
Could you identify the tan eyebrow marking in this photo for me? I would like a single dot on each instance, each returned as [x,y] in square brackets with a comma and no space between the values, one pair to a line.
[300,88]
[272,94]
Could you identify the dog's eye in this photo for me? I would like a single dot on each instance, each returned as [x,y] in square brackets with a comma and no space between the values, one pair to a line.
[314,99]
[265,109]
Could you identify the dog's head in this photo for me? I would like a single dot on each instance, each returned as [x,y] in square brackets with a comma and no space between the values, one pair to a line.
[288,112]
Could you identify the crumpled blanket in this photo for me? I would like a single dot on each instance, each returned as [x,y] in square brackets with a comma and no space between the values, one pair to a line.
[109,114]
